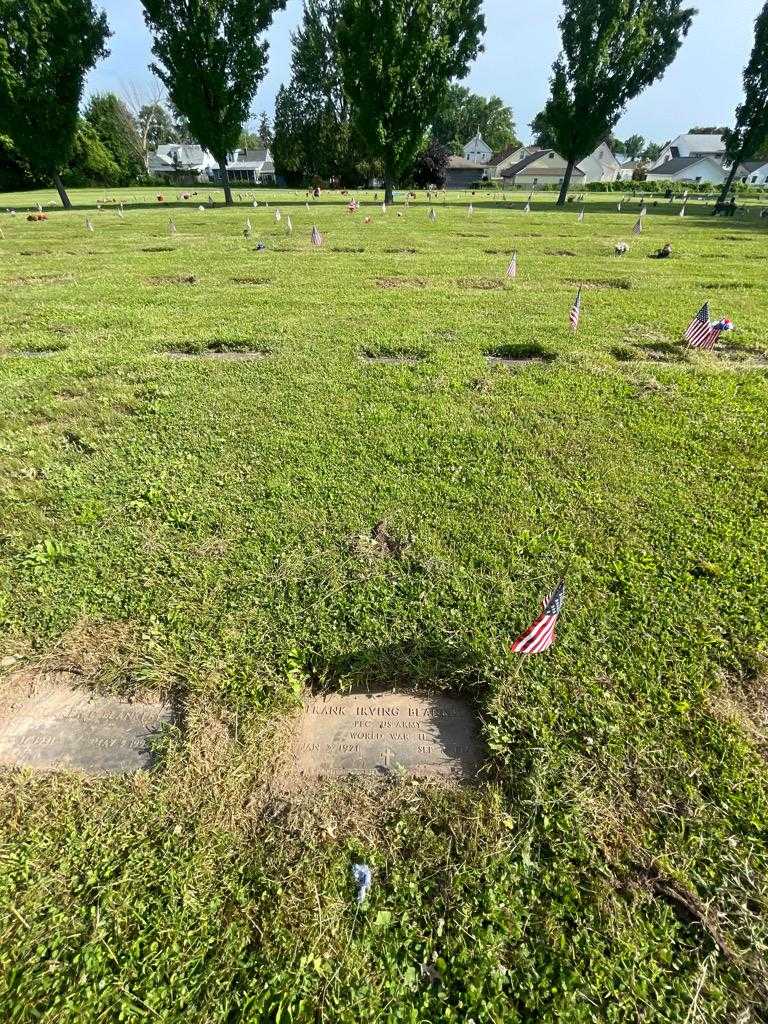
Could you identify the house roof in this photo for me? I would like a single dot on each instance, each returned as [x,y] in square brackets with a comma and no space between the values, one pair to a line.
[753,165]
[262,153]
[632,165]
[544,172]
[681,163]
[185,156]
[513,147]
[458,163]
[700,143]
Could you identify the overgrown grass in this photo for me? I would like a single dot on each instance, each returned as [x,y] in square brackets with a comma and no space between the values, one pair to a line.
[186,525]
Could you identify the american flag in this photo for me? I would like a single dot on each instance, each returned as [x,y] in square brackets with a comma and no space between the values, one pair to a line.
[682,211]
[576,311]
[700,333]
[288,225]
[317,238]
[512,268]
[540,635]
[278,215]
[471,210]
[581,214]
[432,215]
[618,207]
[638,228]
[88,224]
[171,227]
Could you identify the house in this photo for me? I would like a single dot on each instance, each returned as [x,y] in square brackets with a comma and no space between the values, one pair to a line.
[601,165]
[707,169]
[508,156]
[754,172]
[477,150]
[254,166]
[188,161]
[692,145]
[461,173]
[541,167]
[627,170]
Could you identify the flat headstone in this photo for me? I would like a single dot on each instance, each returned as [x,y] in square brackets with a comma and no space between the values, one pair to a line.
[387,733]
[50,723]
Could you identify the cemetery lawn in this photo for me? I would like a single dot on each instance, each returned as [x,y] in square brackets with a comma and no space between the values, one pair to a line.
[175,520]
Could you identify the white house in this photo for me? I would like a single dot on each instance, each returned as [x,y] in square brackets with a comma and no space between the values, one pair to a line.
[254,166]
[508,156]
[753,172]
[690,168]
[628,168]
[692,145]
[477,150]
[601,165]
[542,167]
[191,161]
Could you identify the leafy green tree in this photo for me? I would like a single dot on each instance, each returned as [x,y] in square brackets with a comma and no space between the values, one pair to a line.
[313,132]
[91,163]
[112,121]
[397,58]
[750,132]
[633,146]
[652,152]
[708,131]
[462,113]
[611,50]
[265,131]
[211,60]
[46,49]
[156,126]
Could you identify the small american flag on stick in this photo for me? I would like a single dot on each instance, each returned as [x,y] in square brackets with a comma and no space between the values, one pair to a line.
[541,634]
[527,208]
[317,238]
[638,228]
[701,332]
[581,215]
[512,268]
[576,311]
[432,215]
[88,224]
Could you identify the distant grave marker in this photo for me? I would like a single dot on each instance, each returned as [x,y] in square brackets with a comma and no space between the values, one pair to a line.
[46,722]
[387,733]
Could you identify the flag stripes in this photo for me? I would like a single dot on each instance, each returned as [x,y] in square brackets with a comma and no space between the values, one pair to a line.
[541,634]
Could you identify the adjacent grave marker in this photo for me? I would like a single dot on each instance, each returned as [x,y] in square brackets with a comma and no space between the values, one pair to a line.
[385,733]
[49,723]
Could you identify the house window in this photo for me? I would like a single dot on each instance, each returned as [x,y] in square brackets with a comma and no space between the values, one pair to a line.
[551,156]
[535,181]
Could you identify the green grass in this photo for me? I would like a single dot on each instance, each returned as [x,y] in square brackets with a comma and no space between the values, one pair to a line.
[186,526]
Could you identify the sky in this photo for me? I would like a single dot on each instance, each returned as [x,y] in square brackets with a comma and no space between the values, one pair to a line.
[702,87]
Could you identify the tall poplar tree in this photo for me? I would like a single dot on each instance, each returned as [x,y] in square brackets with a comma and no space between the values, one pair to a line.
[47,48]
[611,51]
[397,58]
[750,133]
[211,60]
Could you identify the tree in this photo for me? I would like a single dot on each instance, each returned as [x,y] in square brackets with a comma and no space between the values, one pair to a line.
[91,163]
[707,131]
[46,49]
[543,135]
[633,146]
[265,131]
[397,58]
[114,125]
[652,152]
[612,50]
[313,135]
[750,132]
[462,113]
[156,127]
[431,165]
[211,61]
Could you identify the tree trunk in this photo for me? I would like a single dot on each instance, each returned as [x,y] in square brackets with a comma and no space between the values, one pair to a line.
[62,191]
[389,189]
[566,183]
[726,187]
[225,181]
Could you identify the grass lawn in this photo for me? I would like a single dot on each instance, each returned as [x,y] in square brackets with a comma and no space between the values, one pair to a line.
[177,520]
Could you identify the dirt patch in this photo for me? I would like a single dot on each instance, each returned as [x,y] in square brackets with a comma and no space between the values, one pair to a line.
[162,279]
[498,252]
[40,252]
[519,355]
[391,357]
[42,279]
[220,348]
[379,543]
[402,282]
[559,252]
[746,704]
[597,285]
[463,234]
[158,248]
[347,248]
[401,252]
[252,280]
[723,285]
[484,284]
[624,353]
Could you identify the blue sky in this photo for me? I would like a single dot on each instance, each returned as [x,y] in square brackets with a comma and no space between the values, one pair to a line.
[703,86]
